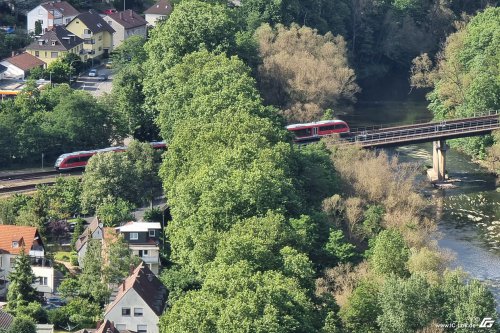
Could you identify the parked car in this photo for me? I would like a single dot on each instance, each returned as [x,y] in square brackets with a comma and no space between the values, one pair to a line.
[109,11]
[93,73]
[102,77]
[57,301]
[109,64]
[50,306]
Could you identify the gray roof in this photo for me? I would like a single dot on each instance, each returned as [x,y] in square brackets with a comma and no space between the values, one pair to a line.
[94,22]
[162,7]
[128,19]
[5,320]
[63,40]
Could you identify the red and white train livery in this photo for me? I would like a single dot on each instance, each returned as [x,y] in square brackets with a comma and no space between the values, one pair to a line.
[79,159]
[318,129]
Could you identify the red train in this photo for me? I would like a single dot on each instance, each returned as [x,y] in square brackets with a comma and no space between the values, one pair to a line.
[316,130]
[79,159]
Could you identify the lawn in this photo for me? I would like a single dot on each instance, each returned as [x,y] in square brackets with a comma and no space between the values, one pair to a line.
[62,256]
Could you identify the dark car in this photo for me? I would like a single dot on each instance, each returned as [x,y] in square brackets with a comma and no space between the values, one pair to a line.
[102,77]
[57,301]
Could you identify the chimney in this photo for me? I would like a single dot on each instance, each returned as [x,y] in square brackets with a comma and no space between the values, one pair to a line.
[13,53]
[123,285]
[99,323]
[130,11]
[121,15]
[131,269]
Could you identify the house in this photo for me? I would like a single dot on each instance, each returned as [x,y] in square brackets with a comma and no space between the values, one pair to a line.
[93,231]
[105,326]
[50,14]
[159,11]
[13,239]
[96,33]
[44,328]
[5,320]
[127,23]
[54,44]
[19,66]
[138,302]
[144,241]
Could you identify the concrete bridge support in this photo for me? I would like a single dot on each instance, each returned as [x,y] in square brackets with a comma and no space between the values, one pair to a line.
[438,171]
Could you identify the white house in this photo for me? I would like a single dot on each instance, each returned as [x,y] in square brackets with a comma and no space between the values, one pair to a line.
[159,11]
[13,239]
[94,231]
[18,66]
[126,24]
[143,239]
[138,302]
[51,13]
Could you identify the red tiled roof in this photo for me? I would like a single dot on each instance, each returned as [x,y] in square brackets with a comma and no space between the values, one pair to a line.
[147,286]
[25,61]
[128,19]
[22,234]
[61,6]
[162,7]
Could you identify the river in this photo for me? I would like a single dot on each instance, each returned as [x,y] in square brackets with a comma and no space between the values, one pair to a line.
[468,216]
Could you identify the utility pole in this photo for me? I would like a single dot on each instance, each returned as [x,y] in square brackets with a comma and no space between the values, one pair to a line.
[123,5]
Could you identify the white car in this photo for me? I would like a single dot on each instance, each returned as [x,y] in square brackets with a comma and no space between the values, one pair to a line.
[93,73]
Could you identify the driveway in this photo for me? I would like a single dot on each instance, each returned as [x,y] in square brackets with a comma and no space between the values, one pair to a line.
[93,85]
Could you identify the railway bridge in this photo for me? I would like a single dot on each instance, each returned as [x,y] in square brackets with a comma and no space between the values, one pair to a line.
[436,132]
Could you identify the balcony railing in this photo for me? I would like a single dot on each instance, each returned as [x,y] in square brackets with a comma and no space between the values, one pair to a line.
[84,36]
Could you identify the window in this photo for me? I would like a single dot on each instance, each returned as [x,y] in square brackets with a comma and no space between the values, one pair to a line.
[87,31]
[142,328]
[143,253]
[109,22]
[151,233]
[37,54]
[42,280]
[53,54]
[100,48]
[12,261]
[327,128]
[138,312]
[53,43]
[15,244]
[100,37]
[67,20]
[134,236]
[303,132]
[126,312]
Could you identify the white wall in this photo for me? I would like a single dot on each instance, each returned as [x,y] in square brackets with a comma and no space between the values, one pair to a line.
[38,13]
[47,272]
[152,18]
[132,300]
[12,71]
[121,34]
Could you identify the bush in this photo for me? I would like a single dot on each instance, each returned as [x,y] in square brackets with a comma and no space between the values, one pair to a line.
[154,215]
[73,259]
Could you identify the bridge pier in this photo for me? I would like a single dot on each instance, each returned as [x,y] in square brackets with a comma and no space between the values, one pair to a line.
[438,171]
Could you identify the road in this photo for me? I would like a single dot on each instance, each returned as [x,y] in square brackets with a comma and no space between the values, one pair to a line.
[93,85]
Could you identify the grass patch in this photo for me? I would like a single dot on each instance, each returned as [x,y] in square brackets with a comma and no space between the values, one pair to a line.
[62,256]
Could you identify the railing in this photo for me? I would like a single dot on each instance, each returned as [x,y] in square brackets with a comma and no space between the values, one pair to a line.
[389,125]
[433,131]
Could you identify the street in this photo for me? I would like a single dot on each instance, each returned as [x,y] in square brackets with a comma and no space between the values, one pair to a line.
[92,84]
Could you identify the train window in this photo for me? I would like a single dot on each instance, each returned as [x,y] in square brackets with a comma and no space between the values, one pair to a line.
[73,160]
[85,158]
[340,126]
[327,128]
[303,132]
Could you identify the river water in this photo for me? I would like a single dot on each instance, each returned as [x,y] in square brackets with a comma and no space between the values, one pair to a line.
[468,215]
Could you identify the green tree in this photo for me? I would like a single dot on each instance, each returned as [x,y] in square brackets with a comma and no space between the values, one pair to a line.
[130,53]
[201,85]
[407,305]
[91,280]
[120,260]
[362,309]
[21,291]
[22,325]
[113,211]
[198,23]
[109,175]
[234,299]
[338,248]
[389,253]
[60,71]
[69,288]
[38,28]
[33,311]
[76,232]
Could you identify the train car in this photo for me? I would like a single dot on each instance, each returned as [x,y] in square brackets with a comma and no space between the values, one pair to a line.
[79,159]
[316,130]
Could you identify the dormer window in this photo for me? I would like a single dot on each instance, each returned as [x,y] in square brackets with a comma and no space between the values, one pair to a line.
[15,244]
[151,233]
[53,43]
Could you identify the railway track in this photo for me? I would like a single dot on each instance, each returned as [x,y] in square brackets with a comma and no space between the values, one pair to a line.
[22,188]
[28,176]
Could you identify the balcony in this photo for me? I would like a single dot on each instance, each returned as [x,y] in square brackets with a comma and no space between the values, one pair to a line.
[150,259]
[87,36]
[88,41]
[40,262]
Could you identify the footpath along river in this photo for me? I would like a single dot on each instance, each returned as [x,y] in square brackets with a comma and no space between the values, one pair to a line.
[468,216]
